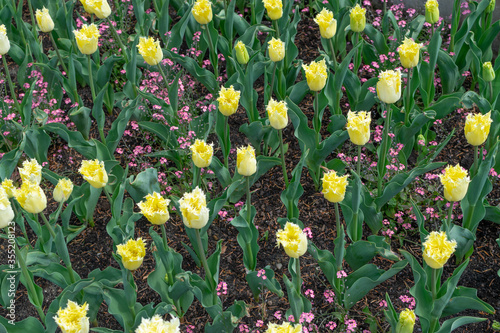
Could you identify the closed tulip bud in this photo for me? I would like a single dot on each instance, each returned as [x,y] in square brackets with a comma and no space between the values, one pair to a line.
[87,38]
[132,253]
[155,208]
[100,8]
[277,113]
[195,212]
[358,127]
[157,325]
[150,50]
[491,7]
[316,75]
[409,53]
[202,153]
[73,318]
[334,186]
[6,212]
[9,188]
[327,24]
[283,328]
[228,100]
[455,181]
[202,11]
[4,40]
[31,171]
[245,161]
[389,86]
[31,197]
[431,11]
[93,171]
[358,18]
[293,240]
[406,321]
[438,249]
[241,53]
[274,9]
[44,20]
[488,72]
[477,128]
[63,190]
[276,49]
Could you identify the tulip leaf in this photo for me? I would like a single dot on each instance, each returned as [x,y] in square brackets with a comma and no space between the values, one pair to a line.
[118,126]
[29,324]
[378,39]
[74,139]
[445,104]
[454,323]
[8,163]
[291,195]
[228,320]
[465,240]
[248,236]
[465,298]
[267,280]
[361,252]
[146,182]
[448,72]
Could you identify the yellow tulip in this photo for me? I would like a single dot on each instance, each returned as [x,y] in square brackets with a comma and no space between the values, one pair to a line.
[358,18]
[157,324]
[195,212]
[155,208]
[277,113]
[31,171]
[358,127]
[101,8]
[438,249]
[316,75]
[409,53]
[31,197]
[245,161]
[4,40]
[293,240]
[202,11]
[274,9]
[6,212]
[241,53]
[488,72]
[334,186]
[327,24]
[202,153]
[228,100]
[63,190]
[406,321]
[276,49]
[9,188]
[44,20]
[455,181]
[87,38]
[73,318]
[477,128]
[132,253]
[431,11]
[93,171]
[283,328]
[150,50]
[389,86]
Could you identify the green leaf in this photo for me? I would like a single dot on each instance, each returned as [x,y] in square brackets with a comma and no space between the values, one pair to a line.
[291,195]
[454,323]
[361,252]
[9,161]
[118,127]
[465,298]
[30,324]
[74,139]
[146,182]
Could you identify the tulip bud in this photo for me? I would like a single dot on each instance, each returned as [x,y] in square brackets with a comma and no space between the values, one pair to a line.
[202,153]
[63,190]
[488,72]
[438,249]
[358,127]
[285,327]
[389,86]
[4,40]
[245,161]
[334,186]
[455,181]
[406,321]
[44,20]
[277,113]
[132,253]
[195,212]
[431,11]
[87,38]
[155,208]
[228,100]
[157,324]
[316,75]
[477,128]
[31,197]
[409,53]
[491,7]
[93,171]
[358,18]
[150,50]
[274,9]
[100,8]
[241,53]
[73,318]
[327,24]
[202,11]
[276,49]
[31,171]
[6,212]
[293,240]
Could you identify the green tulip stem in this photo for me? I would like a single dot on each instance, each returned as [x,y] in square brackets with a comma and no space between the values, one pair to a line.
[358,167]
[332,51]
[475,165]
[49,226]
[214,55]
[110,199]
[33,24]
[249,202]
[117,37]
[316,120]
[285,175]
[434,294]
[408,96]
[491,92]
[163,75]
[164,235]
[432,34]
[448,218]
[276,28]
[272,80]
[91,78]
[203,258]
[226,142]
[11,86]
[196,176]
[299,279]
[385,147]
[58,54]
[337,218]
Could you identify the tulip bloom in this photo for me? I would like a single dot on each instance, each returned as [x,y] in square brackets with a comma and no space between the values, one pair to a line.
[276,49]
[274,9]
[293,240]
[31,171]
[389,86]
[195,212]
[228,100]
[409,53]
[358,127]
[358,18]
[63,190]
[241,53]
[455,181]
[406,321]
[157,324]
[202,11]
[277,113]
[155,208]
[488,72]
[4,40]
[6,212]
[93,171]
[245,161]
[334,186]
[31,197]
[132,253]
[431,11]
[202,153]
[150,50]
[87,38]
[316,75]
[438,249]
[73,318]
[327,24]
[9,188]
[44,20]
[477,128]
[283,328]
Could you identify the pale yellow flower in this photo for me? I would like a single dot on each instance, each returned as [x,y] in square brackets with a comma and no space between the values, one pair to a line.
[93,171]
[241,53]
[274,9]
[6,212]
[477,128]
[358,18]
[455,181]
[202,153]
[316,75]
[245,161]
[389,86]
[100,8]
[158,325]
[195,212]
[334,186]
[155,208]
[9,188]
[358,127]
[44,20]
[327,24]
[406,321]
[277,113]
[228,100]
[31,171]
[409,53]
[132,253]
[63,190]
[4,40]
[276,49]
[438,249]
[73,318]
[293,240]
[31,197]
[202,11]
[488,72]
[150,50]
[431,11]
[87,38]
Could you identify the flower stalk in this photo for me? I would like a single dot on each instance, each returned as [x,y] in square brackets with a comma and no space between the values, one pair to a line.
[408,96]
[204,262]
[212,51]
[385,148]
[11,86]
[283,165]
